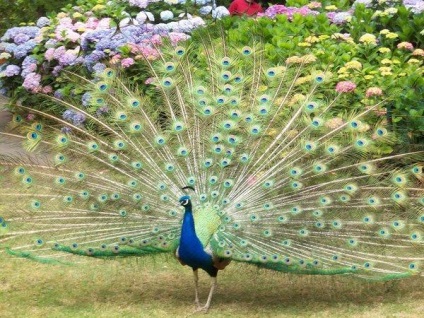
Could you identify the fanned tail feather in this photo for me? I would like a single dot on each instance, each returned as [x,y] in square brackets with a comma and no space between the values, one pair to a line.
[283,179]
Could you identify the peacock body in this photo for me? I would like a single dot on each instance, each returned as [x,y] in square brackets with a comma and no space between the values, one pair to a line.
[266,168]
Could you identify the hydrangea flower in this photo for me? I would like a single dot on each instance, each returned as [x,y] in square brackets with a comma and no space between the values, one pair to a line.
[139,3]
[205,10]
[127,62]
[272,11]
[166,15]
[32,82]
[345,87]
[405,46]
[220,12]
[368,38]
[373,91]
[11,70]
[42,22]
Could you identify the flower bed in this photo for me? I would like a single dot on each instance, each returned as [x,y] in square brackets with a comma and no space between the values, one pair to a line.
[375,45]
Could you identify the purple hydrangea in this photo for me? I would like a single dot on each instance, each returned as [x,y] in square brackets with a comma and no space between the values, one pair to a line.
[99,68]
[139,3]
[21,38]
[102,110]
[11,33]
[29,65]
[42,22]
[32,82]
[68,114]
[416,6]
[78,119]
[86,97]
[339,17]
[272,11]
[11,70]
[58,94]
[66,130]
[22,50]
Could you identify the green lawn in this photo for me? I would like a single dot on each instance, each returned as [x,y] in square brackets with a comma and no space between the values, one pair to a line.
[160,287]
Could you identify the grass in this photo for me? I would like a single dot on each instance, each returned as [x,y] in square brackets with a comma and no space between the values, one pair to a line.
[160,287]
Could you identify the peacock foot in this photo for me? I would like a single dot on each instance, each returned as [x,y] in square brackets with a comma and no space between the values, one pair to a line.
[203,309]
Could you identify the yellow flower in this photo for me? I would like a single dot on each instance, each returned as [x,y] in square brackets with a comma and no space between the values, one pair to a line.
[418,52]
[61,15]
[384,50]
[414,61]
[402,74]
[81,29]
[342,70]
[293,60]
[386,61]
[391,11]
[308,58]
[377,14]
[384,31]
[396,61]
[392,35]
[323,37]
[304,44]
[312,39]
[331,8]
[302,80]
[368,77]
[385,69]
[98,7]
[386,73]
[77,15]
[5,55]
[296,98]
[355,65]
[368,38]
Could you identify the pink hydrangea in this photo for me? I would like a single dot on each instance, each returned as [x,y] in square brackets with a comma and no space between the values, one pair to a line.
[127,62]
[176,37]
[49,54]
[115,59]
[150,80]
[345,87]
[47,89]
[405,46]
[373,91]
[92,23]
[32,82]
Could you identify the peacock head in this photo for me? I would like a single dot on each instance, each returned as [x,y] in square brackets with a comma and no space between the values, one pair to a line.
[185,201]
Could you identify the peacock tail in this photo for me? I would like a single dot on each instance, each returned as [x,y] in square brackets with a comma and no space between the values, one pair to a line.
[282,177]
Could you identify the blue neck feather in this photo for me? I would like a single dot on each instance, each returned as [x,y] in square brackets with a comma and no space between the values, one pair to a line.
[191,250]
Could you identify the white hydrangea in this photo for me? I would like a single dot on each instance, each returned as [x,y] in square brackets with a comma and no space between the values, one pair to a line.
[166,15]
[220,12]
[205,10]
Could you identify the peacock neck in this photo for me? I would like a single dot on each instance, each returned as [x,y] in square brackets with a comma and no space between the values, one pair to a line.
[188,228]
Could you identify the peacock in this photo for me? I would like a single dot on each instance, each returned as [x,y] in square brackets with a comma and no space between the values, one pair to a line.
[221,157]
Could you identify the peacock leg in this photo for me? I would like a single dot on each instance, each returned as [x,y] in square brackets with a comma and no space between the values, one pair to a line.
[196,288]
[208,302]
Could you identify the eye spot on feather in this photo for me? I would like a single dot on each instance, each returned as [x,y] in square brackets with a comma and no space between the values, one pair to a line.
[352,242]
[319,79]
[179,51]
[413,266]
[246,51]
